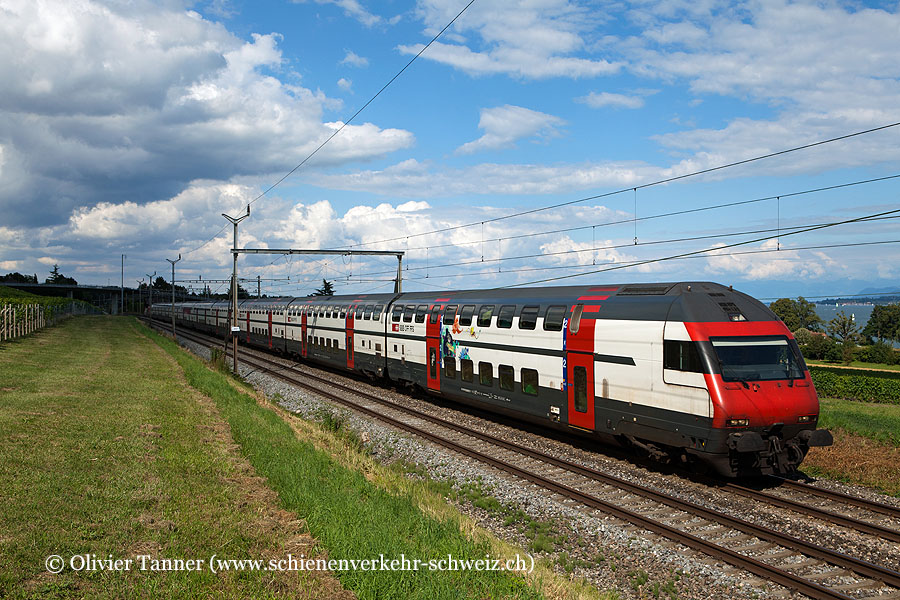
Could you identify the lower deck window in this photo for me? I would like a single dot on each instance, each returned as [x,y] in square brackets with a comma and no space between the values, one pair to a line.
[530,382]
[450,368]
[507,377]
[466,369]
[486,373]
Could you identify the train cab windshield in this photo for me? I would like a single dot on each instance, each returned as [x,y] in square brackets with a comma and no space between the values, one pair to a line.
[758,358]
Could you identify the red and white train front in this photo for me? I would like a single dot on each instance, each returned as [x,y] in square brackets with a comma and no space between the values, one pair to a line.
[765,407]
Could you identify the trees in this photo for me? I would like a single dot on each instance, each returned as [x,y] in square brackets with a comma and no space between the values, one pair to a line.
[884,323]
[844,329]
[327,289]
[18,278]
[797,314]
[59,278]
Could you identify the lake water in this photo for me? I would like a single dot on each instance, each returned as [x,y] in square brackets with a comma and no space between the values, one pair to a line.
[860,312]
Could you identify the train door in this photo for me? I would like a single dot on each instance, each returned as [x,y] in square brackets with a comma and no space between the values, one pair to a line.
[270,329]
[433,349]
[349,339]
[578,342]
[248,325]
[303,332]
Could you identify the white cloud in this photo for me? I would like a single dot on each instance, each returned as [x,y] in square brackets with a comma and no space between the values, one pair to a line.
[158,97]
[504,125]
[345,84]
[785,264]
[595,100]
[355,60]
[529,39]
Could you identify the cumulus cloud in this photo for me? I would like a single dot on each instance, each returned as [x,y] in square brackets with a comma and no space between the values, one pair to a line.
[763,262]
[158,97]
[504,125]
[533,40]
[345,84]
[354,10]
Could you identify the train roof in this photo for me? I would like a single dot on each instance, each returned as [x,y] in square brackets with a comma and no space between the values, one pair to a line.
[696,301]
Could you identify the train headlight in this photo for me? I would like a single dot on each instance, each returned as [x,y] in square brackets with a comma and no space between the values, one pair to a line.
[806,419]
[737,423]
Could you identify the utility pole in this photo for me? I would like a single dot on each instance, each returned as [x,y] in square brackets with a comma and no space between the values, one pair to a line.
[234,290]
[258,293]
[140,282]
[173,292]
[123,284]
[150,277]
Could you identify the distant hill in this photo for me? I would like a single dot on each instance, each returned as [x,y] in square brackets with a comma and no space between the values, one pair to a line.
[894,291]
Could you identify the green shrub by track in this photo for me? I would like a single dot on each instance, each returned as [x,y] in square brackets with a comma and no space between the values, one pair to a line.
[351,517]
[864,386]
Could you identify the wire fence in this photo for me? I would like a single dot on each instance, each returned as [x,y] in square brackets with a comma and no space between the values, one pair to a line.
[17,320]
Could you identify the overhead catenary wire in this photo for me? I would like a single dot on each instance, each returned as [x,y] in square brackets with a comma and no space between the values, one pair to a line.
[708,250]
[637,187]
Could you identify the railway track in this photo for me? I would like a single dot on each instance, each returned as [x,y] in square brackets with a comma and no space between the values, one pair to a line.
[813,570]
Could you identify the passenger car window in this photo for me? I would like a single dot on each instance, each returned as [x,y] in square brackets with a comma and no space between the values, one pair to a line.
[435,313]
[505,317]
[530,382]
[421,311]
[465,315]
[553,320]
[466,369]
[368,314]
[408,313]
[379,308]
[450,314]
[507,377]
[485,315]
[449,367]
[485,374]
[395,314]
[528,317]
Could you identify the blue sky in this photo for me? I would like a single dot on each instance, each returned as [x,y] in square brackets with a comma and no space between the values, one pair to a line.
[129,127]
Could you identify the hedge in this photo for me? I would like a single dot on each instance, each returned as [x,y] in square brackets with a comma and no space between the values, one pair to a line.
[859,385]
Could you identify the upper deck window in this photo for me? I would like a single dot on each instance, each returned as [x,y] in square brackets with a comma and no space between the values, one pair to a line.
[450,314]
[553,320]
[485,315]
[421,311]
[528,317]
[504,319]
[465,315]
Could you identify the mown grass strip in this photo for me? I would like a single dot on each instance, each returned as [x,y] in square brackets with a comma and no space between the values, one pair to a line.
[878,422]
[106,450]
[351,517]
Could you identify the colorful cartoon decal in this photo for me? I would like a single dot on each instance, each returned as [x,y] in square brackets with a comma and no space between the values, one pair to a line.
[449,346]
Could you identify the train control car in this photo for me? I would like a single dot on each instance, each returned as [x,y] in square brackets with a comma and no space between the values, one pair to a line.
[694,372]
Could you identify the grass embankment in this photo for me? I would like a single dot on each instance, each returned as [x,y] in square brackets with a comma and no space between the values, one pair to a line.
[349,513]
[866,444]
[107,450]
[110,449]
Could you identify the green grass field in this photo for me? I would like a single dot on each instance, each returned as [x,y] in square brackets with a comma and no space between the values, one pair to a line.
[855,365]
[879,422]
[117,443]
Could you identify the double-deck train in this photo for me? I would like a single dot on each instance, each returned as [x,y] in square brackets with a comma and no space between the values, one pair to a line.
[695,372]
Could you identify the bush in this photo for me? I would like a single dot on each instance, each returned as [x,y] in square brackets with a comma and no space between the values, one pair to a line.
[879,352]
[817,346]
[862,386]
